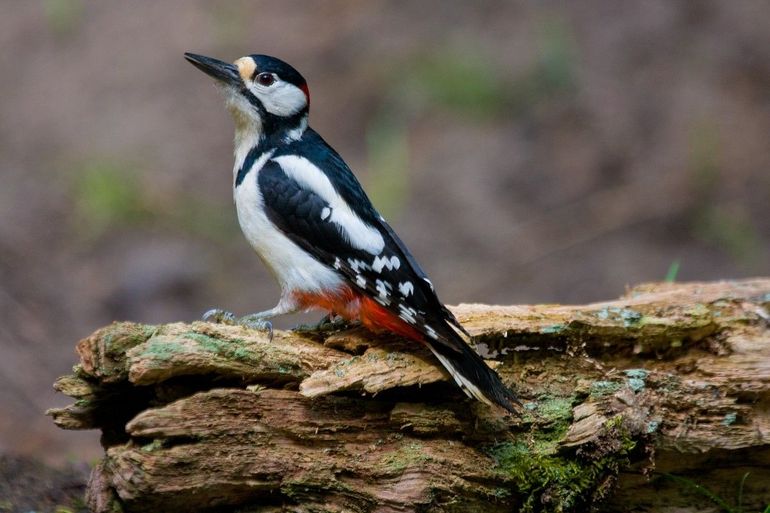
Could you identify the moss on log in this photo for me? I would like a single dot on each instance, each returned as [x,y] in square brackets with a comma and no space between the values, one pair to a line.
[628,405]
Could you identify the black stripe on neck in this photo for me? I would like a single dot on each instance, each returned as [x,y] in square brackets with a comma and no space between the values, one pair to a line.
[248,162]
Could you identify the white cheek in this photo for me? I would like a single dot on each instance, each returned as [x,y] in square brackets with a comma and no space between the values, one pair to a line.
[282,99]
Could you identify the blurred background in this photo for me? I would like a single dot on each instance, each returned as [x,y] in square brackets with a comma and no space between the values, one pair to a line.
[525,152]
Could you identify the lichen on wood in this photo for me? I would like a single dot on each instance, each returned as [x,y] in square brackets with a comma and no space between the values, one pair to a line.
[669,379]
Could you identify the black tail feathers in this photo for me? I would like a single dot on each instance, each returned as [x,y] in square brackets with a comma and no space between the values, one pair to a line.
[474,376]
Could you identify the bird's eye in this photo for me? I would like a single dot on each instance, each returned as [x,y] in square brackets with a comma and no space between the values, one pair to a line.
[265,79]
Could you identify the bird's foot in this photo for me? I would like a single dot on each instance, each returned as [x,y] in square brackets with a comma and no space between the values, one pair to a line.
[256,322]
[329,322]
[252,321]
[219,316]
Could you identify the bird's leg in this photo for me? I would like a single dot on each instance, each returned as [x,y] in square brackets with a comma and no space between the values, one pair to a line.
[257,321]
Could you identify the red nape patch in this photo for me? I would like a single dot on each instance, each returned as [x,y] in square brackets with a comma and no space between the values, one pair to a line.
[306,91]
[354,306]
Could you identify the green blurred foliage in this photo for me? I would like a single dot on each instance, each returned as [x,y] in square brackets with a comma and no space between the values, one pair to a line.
[470,83]
[106,193]
[63,16]
[388,162]
[464,82]
[727,226]
[109,193]
[459,81]
[730,228]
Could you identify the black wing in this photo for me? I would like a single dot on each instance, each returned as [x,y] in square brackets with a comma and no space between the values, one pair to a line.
[392,277]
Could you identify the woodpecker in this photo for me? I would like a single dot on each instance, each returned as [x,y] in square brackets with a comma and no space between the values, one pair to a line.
[310,221]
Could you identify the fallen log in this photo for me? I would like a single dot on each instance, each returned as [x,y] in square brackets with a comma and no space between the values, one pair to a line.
[658,399]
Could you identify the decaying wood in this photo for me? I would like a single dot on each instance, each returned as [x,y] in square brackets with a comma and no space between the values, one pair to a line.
[628,405]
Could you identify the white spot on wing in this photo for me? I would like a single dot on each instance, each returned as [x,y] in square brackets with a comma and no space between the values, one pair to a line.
[325,212]
[431,332]
[358,233]
[406,288]
[358,265]
[337,263]
[360,281]
[382,288]
[388,263]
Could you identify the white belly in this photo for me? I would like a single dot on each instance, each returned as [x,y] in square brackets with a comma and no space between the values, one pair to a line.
[293,268]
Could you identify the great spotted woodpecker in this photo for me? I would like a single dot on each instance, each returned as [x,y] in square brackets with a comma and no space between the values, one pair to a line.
[311,223]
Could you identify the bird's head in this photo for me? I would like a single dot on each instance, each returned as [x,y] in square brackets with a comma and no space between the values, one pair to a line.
[263,93]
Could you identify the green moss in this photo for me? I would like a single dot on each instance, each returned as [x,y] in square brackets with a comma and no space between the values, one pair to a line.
[636,378]
[602,388]
[411,454]
[730,419]
[535,474]
[546,477]
[554,328]
[162,348]
[153,446]
[628,317]
[119,337]
[234,349]
[556,411]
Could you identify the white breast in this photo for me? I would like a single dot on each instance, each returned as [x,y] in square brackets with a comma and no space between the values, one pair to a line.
[294,269]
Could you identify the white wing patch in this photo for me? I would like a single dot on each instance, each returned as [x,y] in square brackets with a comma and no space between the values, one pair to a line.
[325,212]
[360,281]
[406,288]
[388,263]
[359,234]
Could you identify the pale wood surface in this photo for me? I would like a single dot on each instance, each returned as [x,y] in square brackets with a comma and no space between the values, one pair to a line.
[671,378]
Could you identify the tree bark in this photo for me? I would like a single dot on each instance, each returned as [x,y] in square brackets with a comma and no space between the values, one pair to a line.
[658,400]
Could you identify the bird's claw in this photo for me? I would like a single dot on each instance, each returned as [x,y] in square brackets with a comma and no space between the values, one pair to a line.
[256,323]
[219,316]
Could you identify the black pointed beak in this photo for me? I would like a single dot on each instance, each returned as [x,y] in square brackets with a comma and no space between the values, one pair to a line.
[220,70]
